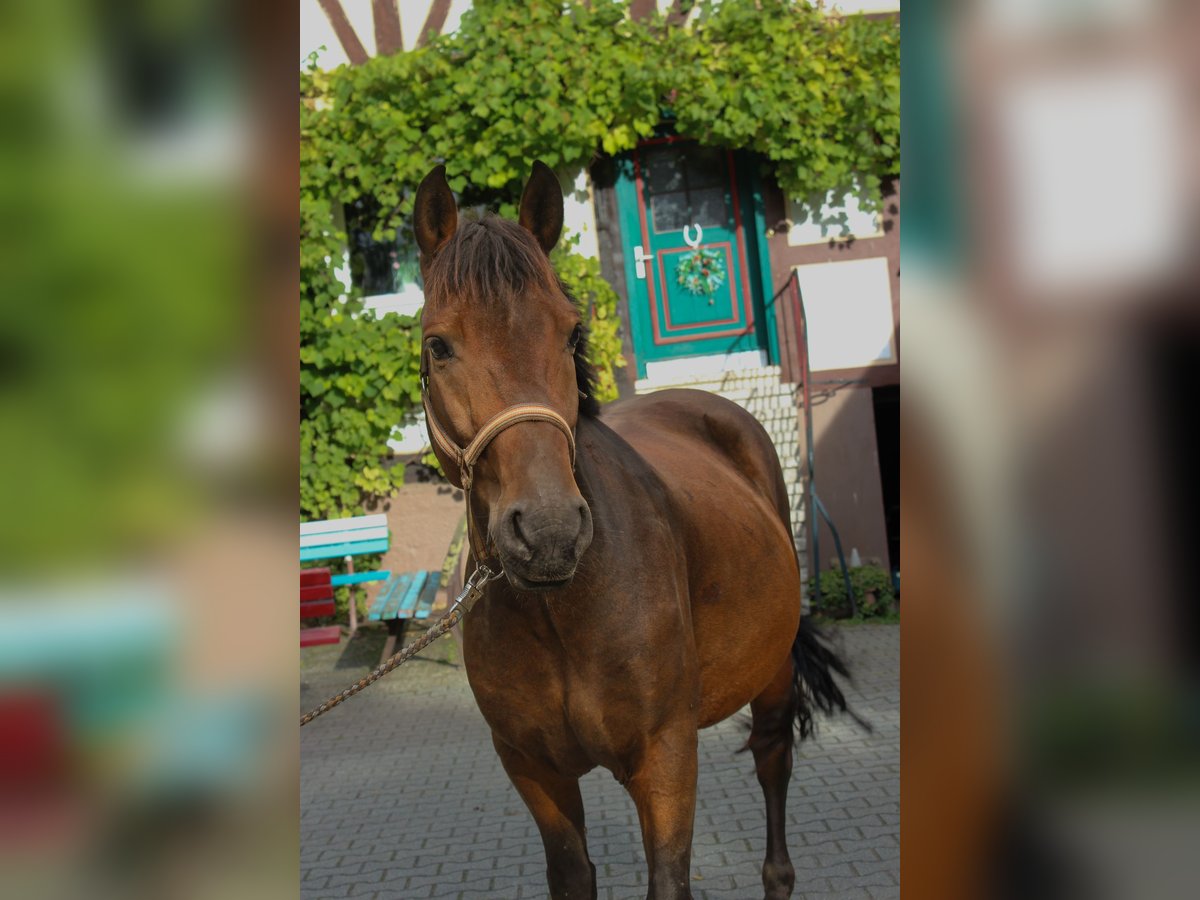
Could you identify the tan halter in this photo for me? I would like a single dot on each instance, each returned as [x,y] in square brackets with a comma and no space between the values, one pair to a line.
[466,457]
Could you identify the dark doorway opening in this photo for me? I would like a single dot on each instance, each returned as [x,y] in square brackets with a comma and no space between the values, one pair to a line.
[1174,354]
[887,440]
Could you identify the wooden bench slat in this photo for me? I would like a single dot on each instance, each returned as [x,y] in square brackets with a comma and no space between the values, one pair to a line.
[390,596]
[310,609]
[428,594]
[360,577]
[316,592]
[311,637]
[314,576]
[341,537]
[375,612]
[376,608]
[408,604]
[354,548]
[395,607]
[347,524]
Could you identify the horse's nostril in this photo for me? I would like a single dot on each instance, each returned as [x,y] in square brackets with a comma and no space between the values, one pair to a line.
[584,537]
[549,536]
[515,540]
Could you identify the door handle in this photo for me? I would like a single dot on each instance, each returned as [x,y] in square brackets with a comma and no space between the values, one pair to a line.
[640,257]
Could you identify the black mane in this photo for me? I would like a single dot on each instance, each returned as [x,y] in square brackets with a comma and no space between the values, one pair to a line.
[585,372]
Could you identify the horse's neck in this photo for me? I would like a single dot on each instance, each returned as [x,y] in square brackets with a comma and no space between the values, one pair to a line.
[599,451]
[620,487]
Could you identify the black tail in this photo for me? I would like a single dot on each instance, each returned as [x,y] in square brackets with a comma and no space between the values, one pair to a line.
[815,664]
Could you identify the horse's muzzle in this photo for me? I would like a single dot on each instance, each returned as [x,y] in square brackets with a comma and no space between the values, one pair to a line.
[540,544]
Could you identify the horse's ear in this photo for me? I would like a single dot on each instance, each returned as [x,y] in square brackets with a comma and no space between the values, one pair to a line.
[435,215]
[542,206]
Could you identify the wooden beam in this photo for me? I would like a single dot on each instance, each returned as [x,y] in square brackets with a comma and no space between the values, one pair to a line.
[642,9]
[676,16]
[355,51]
[434,22]
[612,265]
[388,37]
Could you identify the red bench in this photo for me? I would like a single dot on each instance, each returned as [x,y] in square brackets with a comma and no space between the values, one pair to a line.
[316,599]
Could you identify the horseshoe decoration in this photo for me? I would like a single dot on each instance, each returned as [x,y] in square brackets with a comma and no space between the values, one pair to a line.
[700,272]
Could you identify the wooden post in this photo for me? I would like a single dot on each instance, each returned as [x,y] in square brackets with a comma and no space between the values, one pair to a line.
[353,598]
[454,580]
[396,629]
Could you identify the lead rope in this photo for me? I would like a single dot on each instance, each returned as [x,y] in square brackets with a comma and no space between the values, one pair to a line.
[466,599]
[465,459]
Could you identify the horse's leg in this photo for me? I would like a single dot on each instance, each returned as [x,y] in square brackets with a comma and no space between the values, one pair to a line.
[771,739]
[557,808]
[663,788]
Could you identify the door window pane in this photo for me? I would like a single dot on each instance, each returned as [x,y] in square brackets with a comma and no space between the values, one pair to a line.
[705,167]
[686,185]
[661,171]
[710,207]
[670,211]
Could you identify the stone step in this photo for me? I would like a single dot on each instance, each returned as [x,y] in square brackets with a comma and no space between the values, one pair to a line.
[782,430]
[763,373]
[786,446]
[778,419]
[744,395]
[782,435]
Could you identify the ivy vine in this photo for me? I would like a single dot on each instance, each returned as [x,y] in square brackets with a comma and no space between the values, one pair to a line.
[815,96]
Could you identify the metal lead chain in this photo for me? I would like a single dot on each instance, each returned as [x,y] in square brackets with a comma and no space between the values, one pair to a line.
[462,605]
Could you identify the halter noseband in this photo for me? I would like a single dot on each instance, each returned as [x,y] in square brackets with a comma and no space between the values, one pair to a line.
[466,457]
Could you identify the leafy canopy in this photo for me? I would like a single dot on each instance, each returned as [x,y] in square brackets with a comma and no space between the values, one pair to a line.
[815,96]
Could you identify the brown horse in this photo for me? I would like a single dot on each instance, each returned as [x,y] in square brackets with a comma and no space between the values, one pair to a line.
[651,589]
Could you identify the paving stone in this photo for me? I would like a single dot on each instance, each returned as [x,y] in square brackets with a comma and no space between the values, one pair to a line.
[403,797]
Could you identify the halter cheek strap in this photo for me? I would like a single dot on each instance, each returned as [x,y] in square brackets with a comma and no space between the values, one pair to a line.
[465,458]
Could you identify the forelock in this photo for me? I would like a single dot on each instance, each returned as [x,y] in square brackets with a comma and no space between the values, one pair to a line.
[488,261]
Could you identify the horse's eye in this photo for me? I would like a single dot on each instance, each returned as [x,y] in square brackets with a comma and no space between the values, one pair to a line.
[576,337]
[439,349]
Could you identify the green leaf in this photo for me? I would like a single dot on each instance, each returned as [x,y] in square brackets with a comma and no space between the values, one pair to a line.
[814,96]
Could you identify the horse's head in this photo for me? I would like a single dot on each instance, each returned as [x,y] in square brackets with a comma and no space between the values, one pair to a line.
[498,330]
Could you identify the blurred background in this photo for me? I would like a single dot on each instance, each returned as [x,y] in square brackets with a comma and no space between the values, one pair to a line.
[1050,291]
[147,492]
[147,496]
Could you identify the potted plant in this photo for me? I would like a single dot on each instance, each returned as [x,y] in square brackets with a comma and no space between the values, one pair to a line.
[872,591]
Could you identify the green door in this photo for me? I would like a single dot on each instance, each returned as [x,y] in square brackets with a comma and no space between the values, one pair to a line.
[693,265]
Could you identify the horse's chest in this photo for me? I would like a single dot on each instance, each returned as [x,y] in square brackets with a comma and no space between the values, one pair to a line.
[516,684]
[538,705]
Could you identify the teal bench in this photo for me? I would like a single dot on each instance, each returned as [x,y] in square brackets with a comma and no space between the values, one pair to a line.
[346,539]
[410,595]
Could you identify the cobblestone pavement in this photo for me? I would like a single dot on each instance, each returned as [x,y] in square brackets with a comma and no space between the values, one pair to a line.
[402,795]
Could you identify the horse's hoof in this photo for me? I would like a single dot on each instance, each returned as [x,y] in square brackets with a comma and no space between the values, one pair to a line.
[778,879]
